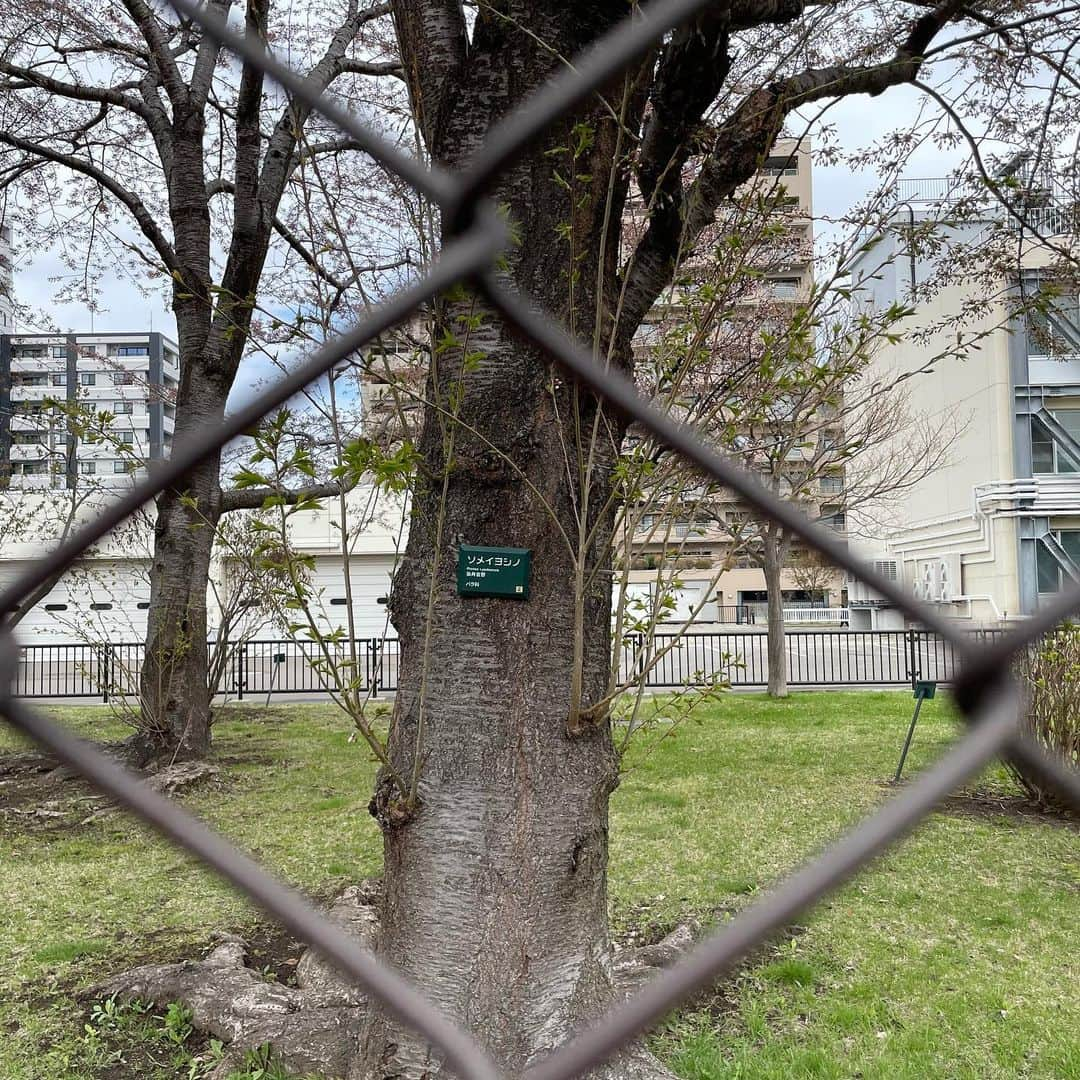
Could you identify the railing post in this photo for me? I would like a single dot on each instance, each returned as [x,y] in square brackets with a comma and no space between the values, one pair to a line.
[913,657]
[373,664]
[241,670]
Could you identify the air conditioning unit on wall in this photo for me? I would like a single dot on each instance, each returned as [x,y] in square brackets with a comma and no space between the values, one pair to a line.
[937,580]
[859,592]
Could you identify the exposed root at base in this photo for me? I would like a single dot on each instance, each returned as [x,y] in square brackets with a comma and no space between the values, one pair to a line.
[315,1026]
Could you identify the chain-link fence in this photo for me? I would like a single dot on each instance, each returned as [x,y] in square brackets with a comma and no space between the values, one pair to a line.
[990,702]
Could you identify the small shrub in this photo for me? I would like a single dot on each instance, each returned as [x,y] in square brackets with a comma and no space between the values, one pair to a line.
[1050,673]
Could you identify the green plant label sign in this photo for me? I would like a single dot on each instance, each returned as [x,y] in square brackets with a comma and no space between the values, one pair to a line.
[493,571]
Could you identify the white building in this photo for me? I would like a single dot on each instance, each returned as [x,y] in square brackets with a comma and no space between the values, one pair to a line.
[105,596]
[84,407]
[7,295]
[992,533]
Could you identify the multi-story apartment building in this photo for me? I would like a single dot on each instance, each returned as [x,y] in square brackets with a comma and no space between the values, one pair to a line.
[7,294]
[89,408]
[696,545]
[994,531]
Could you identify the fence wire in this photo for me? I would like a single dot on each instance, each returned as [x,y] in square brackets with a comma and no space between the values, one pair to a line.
[991,703]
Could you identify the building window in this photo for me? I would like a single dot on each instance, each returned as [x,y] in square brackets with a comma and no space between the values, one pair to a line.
[127,438]
[87,378]
[684,526]
[100,606]
[88,468]
[120,466]
[1054,330]
[59,380]
[1049,573]
[832,484]
[56,607]
[1046,455]
[781,166]
[784,288]
[132,350]
[835,521]
[123,378]
[123,408]
[59,352]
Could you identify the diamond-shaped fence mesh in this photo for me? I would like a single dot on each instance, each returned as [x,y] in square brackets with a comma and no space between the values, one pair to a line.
[991,702]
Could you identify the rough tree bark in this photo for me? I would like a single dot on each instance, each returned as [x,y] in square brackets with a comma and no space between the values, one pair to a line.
[502,862]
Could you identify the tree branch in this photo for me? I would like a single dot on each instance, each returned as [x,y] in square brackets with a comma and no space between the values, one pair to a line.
[161,55]
[433,44]
[254,498]
[744,140]
[372,67]
[100,94]
[134,204]
[202,74]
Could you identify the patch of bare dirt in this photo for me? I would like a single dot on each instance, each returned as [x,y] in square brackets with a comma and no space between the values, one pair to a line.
[39,795]
[994,807]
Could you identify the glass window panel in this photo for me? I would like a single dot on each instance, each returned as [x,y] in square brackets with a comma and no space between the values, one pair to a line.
[1042,449]
[1047,569]
[1070,541]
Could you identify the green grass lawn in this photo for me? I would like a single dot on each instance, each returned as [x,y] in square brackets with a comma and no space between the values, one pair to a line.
[957,956]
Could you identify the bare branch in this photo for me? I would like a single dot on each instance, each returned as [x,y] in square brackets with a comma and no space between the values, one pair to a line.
[743,141]
[133,203]
[102,94]
[161,55]
[372,67]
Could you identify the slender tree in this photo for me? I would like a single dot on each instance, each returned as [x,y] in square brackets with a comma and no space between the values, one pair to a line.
[132,137]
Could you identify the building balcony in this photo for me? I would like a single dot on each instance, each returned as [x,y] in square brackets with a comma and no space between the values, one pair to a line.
[1044,206]
[29,451]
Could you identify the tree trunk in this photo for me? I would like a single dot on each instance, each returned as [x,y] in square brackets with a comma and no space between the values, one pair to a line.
[772,565]
[495,892]
[495,900]
[173,686]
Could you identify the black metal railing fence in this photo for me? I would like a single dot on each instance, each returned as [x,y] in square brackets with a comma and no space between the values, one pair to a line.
[987,697]
[280,667]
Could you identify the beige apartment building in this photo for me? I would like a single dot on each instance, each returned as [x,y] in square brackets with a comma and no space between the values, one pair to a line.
[996,530]
[695,549]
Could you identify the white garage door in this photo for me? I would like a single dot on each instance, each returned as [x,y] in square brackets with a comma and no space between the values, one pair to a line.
[370,576]
[639,602]
[97,600]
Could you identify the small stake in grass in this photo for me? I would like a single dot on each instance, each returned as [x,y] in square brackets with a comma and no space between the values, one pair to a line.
[923,689]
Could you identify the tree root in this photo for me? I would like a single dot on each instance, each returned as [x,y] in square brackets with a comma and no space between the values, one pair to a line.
[315,1026]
